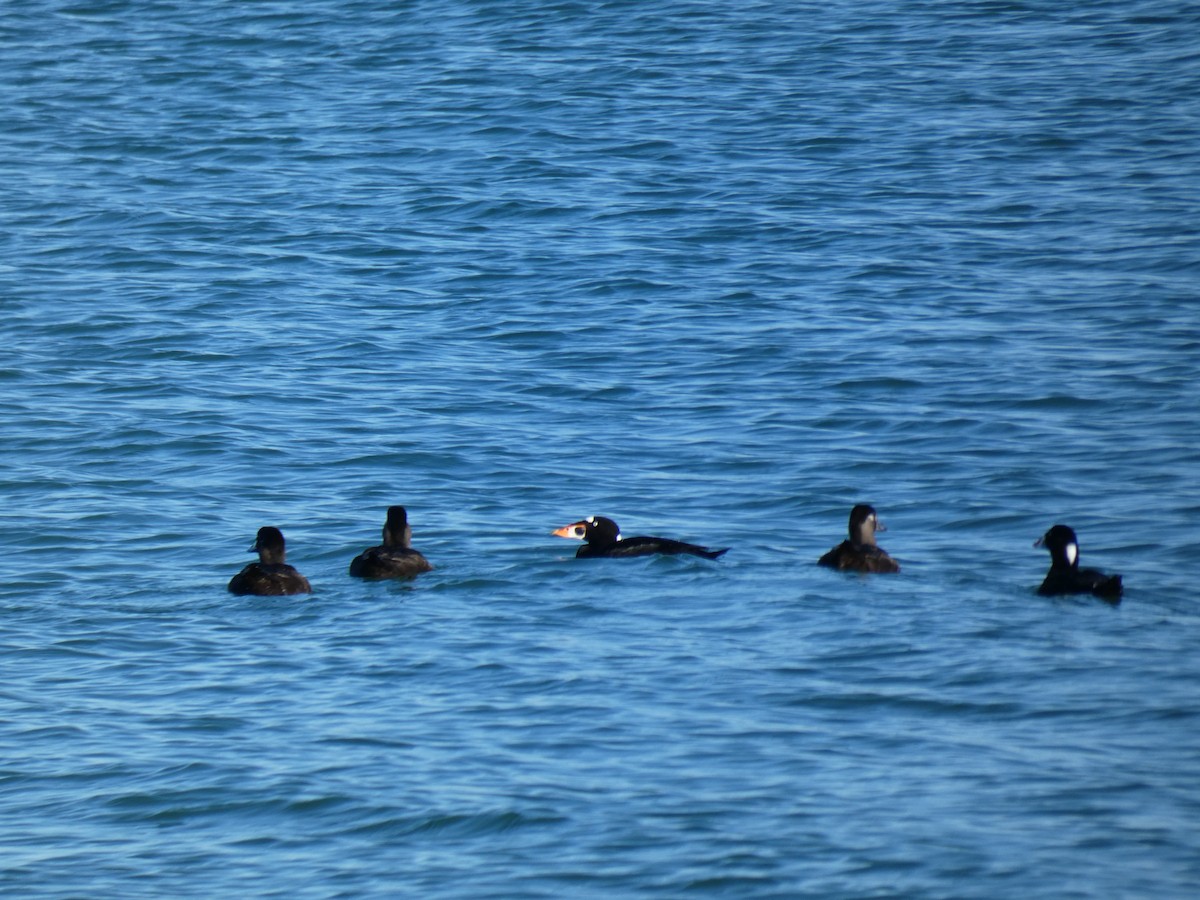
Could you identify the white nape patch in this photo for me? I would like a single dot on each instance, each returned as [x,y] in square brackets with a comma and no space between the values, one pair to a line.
[1072,553]
[618,535]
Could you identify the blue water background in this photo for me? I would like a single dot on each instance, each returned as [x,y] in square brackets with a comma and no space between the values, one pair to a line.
[717,270]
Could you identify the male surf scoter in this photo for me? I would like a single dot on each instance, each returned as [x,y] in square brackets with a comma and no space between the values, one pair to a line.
[270,576]
[394,558]
[602,537]
[859,553]
[1065,576]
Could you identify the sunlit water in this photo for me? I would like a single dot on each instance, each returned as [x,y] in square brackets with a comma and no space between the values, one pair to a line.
[719,271]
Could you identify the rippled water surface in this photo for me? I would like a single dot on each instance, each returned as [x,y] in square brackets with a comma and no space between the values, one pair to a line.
[718,271]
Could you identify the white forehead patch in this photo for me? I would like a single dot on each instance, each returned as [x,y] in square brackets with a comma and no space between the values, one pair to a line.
[1072,552]
[591,519]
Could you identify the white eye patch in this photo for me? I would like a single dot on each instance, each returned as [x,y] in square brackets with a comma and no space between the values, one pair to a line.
[1072,553]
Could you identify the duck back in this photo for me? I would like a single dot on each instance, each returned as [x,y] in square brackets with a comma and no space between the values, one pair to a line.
[269,580]
[846,557]
[386,562]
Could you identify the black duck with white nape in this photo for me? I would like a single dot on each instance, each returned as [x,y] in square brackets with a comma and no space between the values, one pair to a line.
[1065,575]
[602,538]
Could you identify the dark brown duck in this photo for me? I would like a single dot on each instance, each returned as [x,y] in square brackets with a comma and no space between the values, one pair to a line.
[860,553]
[395,557]
[270,576]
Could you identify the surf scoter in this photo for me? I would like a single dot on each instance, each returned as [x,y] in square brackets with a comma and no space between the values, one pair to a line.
[602,537]
[1065,576]
[394,558]
[270,576]
[859,553]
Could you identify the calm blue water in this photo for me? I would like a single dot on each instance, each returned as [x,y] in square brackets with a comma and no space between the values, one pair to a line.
[717,270]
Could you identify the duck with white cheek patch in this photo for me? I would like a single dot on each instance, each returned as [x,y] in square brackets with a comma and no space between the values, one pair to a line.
[602,538]
[860,553]
[1065,576]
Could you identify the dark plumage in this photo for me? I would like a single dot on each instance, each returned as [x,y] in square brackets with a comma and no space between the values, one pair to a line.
[860,553]
[1065,576]
[270,576]
[394,558]
[602,537]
